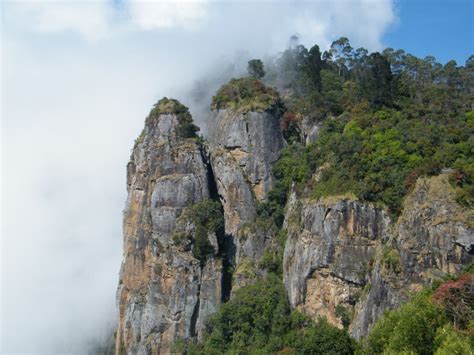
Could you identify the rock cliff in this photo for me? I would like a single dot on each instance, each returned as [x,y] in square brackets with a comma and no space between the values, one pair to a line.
[343,259]
[164,291]
[349,262]
[243,149]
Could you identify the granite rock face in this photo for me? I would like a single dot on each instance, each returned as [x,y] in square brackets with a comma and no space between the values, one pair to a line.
[343,259]
[329,252]
[349,262]
[164,292]
[253,140]
[243,149]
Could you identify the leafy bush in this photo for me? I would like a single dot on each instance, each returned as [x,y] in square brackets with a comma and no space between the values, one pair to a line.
[186,127]
[246,94]
[258,320]
[207,217]
[411,328]
[255,68]
[439,322]
[457,298]
[387,119]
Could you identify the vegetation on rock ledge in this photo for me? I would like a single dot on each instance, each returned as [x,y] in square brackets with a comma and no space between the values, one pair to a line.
[207,218]
[433,322]
[259,320]
[186,128]
[386,119]
[246,94]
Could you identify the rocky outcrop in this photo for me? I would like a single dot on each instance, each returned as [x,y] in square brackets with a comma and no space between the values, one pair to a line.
[347,261]
[253,140]
[432,238]
[329,253]
[164,293]
[243,149]
[342,259]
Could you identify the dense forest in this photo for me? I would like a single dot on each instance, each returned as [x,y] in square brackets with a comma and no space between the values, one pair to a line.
[385,119]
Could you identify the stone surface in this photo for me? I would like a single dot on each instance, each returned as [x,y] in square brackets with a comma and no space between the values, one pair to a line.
[343,259]
[349,254]
[329,253]
[253,140]
[243,149]
[164,292]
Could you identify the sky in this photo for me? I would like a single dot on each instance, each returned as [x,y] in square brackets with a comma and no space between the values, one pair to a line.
[442,28]
[77,81]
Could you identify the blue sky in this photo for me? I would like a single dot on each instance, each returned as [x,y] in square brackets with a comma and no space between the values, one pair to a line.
[442,28]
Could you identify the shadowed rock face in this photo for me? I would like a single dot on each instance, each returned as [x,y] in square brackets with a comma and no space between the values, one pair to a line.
[349,254]
[164,292]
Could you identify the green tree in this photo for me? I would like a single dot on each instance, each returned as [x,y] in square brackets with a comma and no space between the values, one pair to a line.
[255,68]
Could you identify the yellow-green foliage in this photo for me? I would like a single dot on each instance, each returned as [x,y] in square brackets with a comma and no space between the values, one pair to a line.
[427,323]
[391,261]
[246,94]
[451,341]
[258,320]
[247,269]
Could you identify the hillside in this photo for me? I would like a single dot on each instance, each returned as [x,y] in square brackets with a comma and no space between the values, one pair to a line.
[337,187]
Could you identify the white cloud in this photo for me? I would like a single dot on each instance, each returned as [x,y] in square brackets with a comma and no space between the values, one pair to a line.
[70,112]
[160,14]
[96,20]
[88,18]
[362,21]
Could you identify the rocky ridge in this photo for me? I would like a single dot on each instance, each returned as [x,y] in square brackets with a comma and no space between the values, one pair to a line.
[343,259]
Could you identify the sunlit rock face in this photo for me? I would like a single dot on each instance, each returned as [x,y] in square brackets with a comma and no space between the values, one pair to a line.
[330,251]
[243,149]
[164,292]
[349,262]
[343,259]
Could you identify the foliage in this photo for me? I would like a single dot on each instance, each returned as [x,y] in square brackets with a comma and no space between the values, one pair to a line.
[207,218]
[293,166]
[272,259]
[343,314]
[186,127]
[449,341]
[289,125]
[258,320]
[428,324]
[246,94]
[391,261]
[388,118]
[411,328]
[457,298]
[255,68]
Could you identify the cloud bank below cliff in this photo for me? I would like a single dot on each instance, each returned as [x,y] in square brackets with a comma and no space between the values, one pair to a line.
[78,80]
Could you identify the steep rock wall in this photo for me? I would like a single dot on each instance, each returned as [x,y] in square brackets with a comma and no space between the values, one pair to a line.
[329,252]
[164,291]
[243,149]
[347,261]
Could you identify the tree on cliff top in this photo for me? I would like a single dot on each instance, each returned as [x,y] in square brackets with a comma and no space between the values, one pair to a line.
[255,68]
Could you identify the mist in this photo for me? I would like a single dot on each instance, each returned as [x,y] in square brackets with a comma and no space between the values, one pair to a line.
[78,80]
